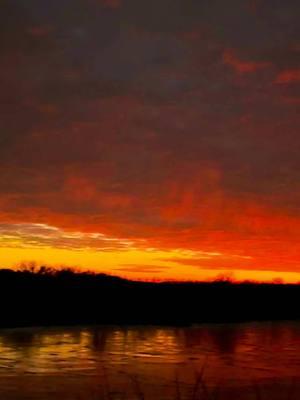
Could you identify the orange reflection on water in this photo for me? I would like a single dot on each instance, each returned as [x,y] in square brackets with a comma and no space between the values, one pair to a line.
[92,358]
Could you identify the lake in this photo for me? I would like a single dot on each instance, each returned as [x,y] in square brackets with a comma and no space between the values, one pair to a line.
[236,361]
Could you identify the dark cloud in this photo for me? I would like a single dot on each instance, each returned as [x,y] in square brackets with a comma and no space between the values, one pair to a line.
[149,119]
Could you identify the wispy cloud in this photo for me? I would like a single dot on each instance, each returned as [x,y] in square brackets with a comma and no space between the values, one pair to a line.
[28,235]
[142,269]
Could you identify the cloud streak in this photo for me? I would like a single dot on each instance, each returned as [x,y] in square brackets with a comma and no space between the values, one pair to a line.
[26,235]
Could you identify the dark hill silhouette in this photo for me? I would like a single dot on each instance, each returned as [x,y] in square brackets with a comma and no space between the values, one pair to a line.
[50,297]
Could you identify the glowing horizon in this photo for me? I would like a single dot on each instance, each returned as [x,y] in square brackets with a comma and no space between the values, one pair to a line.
[133,259]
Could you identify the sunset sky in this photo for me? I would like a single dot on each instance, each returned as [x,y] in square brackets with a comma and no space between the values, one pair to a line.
[151,139]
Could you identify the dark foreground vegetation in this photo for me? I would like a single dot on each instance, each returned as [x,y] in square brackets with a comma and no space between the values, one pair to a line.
[64,297]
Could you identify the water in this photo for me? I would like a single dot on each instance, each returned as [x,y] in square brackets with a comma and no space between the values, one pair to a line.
[240,361]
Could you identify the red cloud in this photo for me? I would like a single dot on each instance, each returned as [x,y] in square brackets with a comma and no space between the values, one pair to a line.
[241,66]
[288,76]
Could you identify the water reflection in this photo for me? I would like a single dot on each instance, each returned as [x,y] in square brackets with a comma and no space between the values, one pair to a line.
[233,353]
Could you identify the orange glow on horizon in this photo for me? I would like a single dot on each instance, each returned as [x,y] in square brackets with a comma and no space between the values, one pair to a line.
[151,264]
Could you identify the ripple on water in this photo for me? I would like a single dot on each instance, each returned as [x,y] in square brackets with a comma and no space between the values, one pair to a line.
[239,351]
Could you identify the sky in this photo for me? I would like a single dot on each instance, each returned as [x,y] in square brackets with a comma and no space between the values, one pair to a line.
[151,139]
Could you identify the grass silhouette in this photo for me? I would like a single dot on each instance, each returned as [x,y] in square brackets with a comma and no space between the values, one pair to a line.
[200,391]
